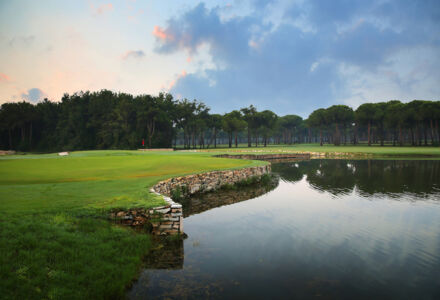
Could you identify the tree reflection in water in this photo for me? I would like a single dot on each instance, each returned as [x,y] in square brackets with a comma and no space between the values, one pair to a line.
[388,177]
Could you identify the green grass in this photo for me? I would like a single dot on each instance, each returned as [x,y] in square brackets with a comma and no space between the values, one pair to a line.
[55,241]
[375,150]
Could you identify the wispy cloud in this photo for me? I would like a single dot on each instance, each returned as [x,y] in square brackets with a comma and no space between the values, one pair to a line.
[160,34]
[183,74]
[102,8]
[134,54]
[22,41]
[4,77]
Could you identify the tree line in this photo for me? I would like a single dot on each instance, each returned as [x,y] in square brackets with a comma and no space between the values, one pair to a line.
[108,120]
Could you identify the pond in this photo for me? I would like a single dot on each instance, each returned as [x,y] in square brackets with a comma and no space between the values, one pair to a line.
[333,229]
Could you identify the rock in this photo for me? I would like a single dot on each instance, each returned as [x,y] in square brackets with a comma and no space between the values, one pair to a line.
[162,211]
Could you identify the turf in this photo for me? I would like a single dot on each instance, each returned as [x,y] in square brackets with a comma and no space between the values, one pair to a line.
[375,150]
[55,241]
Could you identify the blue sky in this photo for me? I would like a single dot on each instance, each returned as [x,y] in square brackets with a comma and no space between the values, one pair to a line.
[288,56]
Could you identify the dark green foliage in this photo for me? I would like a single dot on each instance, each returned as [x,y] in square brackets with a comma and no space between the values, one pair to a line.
[107,120]
[415,123]
[100,120]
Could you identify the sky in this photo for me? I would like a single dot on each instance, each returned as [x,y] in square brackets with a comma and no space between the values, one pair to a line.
[288,56]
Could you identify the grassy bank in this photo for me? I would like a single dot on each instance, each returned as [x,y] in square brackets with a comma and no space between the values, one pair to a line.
[375,150]
[54,238]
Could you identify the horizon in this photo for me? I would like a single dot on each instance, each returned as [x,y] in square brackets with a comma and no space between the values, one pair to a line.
[291,58]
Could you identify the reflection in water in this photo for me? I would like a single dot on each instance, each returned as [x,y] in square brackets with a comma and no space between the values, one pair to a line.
[166,253]
[393,178]
[202,202]
[331,229]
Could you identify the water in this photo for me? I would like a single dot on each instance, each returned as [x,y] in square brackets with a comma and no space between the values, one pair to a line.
[330,229]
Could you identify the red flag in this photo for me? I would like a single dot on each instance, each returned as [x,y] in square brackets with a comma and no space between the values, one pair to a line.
[143,142]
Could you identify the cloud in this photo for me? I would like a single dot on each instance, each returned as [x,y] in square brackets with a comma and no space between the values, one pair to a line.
[4,77]
[22,41]
[134,54]
[34,95]
[340,50]
[160,34]
[101,9]
[183,74]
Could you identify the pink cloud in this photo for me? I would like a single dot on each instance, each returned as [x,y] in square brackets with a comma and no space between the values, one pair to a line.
[180,76]
[161,34]
[101,9]
[4,77]
[136,54]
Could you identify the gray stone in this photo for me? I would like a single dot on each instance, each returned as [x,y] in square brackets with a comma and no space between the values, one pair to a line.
[162,211]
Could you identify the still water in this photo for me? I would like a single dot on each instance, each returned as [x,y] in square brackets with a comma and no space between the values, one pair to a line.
[330,229]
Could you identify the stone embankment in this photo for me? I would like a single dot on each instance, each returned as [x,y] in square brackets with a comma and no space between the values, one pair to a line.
[206,182]
[339,155]
[267,157]
[164,220]
[168,219]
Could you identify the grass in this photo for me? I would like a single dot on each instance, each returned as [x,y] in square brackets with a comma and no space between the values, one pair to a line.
[55,241]
[375,150]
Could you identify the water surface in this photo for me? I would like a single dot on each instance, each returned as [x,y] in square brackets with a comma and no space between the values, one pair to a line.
[331,229]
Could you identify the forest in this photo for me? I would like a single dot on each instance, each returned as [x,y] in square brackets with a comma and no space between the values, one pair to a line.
[108,120]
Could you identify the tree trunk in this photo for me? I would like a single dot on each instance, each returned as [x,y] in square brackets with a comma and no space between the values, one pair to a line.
[412,137]
[425,134]
[236,140]
[320,136]
[249,137]
[400,136]
[215,137]
[345,135]
[381,136]
[369,133]
[10,138]
[432,132]
[230,139]
[23,133]
[310,136]
[438,131]
[30,135]
[337,140]
[355,133]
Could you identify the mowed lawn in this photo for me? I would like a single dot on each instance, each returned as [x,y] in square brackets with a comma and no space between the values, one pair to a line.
[55,240]
[375,150]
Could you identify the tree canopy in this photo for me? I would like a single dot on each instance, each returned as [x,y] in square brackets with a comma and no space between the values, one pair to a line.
[108,120]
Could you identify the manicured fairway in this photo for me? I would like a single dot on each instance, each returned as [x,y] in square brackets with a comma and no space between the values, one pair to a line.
[54,238]
[375,150]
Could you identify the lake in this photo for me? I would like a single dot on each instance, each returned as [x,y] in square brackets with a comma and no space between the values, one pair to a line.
[330,229]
